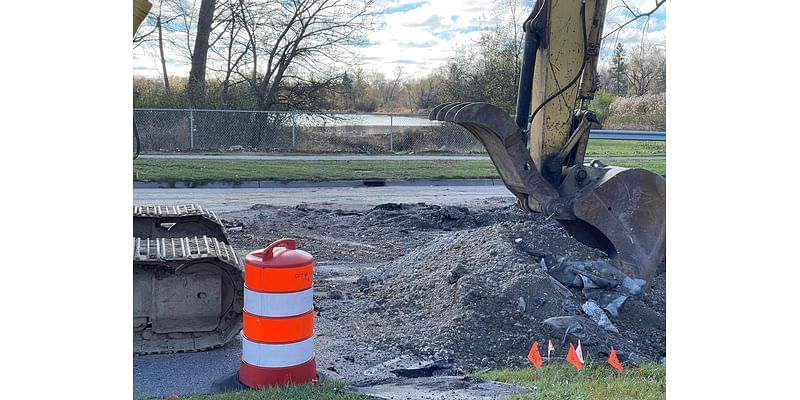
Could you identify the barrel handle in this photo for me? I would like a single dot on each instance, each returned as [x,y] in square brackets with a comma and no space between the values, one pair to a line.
[290,244]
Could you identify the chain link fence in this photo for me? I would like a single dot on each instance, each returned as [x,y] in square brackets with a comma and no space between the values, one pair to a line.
[298,132]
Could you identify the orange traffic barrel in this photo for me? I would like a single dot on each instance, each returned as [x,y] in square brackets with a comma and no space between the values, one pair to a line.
[278,321]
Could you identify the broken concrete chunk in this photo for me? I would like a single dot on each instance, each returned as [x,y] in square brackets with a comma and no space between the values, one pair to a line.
[614,306]
[587,274]
[569,328]
[634,286]
[561,288]
[597,315]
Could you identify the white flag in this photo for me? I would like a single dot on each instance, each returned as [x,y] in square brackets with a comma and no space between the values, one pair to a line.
[550,348]
[579,352]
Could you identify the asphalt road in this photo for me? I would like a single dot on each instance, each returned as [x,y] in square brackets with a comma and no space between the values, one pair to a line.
[351,198]
[186,373]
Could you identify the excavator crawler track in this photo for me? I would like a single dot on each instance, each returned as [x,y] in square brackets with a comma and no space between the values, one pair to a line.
[189,290]
[177,221]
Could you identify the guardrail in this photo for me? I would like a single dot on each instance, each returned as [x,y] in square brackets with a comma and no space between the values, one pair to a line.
[628,135]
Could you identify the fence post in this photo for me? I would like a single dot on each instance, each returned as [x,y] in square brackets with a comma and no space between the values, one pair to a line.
[391,133]
[294,128]
[191,130]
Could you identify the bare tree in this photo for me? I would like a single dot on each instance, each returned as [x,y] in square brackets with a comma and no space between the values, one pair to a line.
[159,23]
[234,47]
[287,50]
[385,90]
[197,75]
[646,65]
[153,29]
[634,12]
[509,16]
[303,38]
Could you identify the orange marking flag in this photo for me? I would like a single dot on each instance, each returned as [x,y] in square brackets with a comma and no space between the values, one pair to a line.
[614,361]
[572,358]
[534,356]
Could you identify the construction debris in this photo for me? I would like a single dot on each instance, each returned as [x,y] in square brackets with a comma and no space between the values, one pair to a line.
[471,285]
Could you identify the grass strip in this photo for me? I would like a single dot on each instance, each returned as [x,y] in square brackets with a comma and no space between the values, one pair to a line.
[594,381]
[200,171]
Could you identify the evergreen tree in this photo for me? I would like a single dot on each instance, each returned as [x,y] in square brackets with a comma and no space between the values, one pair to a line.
[618,83]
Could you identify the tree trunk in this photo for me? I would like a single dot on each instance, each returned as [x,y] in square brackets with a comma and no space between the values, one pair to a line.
[163,60]
[197,76]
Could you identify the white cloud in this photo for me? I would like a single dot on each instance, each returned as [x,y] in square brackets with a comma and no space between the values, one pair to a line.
[425,35]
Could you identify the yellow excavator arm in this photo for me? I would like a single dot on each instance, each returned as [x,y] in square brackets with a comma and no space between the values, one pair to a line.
[540,154]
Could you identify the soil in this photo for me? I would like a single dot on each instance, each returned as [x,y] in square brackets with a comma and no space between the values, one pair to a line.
[400,285]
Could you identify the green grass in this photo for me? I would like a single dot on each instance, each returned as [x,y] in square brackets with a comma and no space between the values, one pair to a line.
[300,392]
[606,147]
[594,381]
[199,171]
[657,166]
[552,381]
[247,170]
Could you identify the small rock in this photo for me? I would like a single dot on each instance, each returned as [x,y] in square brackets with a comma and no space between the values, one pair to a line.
[456,273]
[521,305]
[637,359]
[335,295]
[518,240]
[570,307]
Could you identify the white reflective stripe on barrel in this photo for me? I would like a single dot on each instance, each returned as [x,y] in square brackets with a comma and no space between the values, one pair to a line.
[277,355]
[278,304]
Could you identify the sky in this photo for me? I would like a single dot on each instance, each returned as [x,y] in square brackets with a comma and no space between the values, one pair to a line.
[420,36]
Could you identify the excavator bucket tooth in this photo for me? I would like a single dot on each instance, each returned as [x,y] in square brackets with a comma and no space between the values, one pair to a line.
[450,112]
[619,211]
[435,111]
[440,116]
[623,215]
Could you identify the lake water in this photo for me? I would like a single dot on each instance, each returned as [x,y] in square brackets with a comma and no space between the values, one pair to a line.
[363,120]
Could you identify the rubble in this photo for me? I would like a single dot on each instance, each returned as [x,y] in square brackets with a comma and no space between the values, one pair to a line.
[454,283]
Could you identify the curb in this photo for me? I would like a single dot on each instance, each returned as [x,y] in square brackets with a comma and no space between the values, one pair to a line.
[315,184]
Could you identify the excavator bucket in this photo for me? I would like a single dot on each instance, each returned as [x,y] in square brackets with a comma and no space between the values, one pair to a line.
[617,210]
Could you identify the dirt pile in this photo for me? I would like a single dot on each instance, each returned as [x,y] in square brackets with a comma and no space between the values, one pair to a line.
[480,297]
[472,285]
